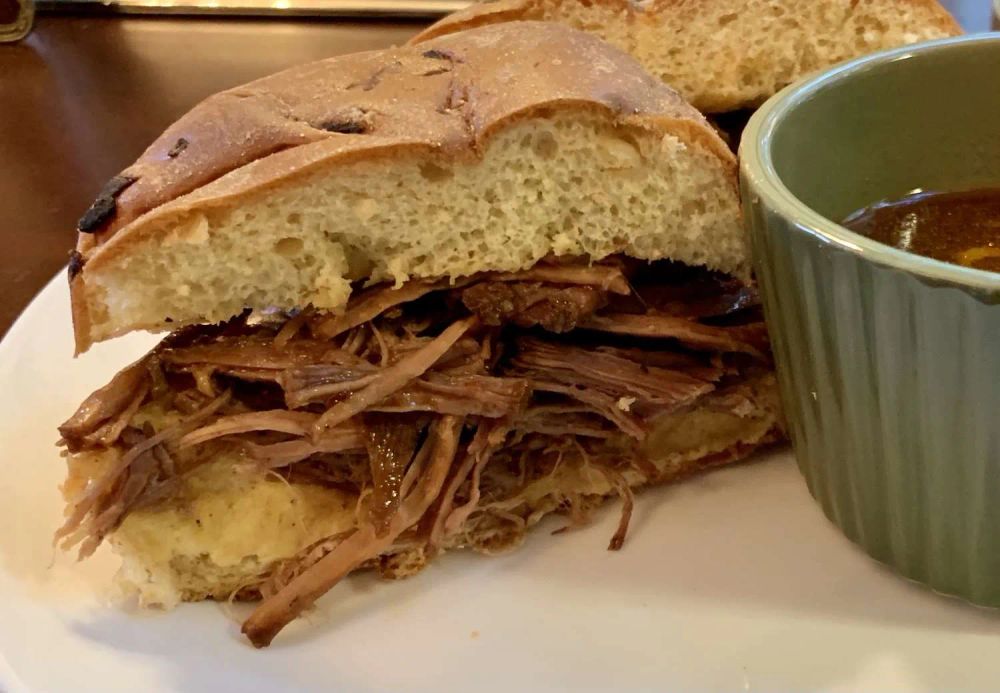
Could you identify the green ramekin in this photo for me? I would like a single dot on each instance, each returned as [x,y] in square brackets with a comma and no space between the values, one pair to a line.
[888,363]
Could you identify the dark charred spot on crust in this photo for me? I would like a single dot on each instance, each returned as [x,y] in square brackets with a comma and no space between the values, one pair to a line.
[348,121]
[96,215]
[76,262]
[372,80]
[458,96]
[178,147]
[437,54]
[116,186]
[104,206]
[435,71]
[168,319]
[345,127]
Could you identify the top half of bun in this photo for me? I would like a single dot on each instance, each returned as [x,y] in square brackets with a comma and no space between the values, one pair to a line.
[483,150]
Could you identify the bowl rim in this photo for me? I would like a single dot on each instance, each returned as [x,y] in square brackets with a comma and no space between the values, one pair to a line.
[757,168]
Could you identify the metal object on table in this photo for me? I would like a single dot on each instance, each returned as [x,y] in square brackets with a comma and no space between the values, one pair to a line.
[16,18]
[285,8]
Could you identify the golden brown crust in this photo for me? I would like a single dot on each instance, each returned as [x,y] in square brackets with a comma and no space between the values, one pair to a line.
[482,13]
[443,97]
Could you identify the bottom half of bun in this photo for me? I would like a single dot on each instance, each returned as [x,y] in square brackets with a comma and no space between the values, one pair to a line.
[233,529]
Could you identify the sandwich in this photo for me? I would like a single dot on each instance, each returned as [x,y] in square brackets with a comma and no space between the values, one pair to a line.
[416,299]
[727,55]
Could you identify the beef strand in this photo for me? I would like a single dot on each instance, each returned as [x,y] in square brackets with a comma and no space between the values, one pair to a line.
[96,494]
[748,339]
[284,453]
[449,519]
[527,304]
[628,503]
[600,276]
[292,422]
[375,301]
[392,379]
[461,395]
[609,373]
[275,612]
[599,402]
[108,408]
[390,442]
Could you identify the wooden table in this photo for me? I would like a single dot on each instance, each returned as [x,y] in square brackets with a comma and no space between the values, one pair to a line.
[81,97]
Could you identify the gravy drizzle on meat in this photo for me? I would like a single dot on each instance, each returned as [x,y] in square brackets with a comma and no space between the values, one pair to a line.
[406,398]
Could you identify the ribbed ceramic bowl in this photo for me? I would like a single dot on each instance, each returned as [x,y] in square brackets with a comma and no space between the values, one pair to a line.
[889,363]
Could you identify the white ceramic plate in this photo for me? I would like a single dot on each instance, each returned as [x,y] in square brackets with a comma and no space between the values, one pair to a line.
[733,581]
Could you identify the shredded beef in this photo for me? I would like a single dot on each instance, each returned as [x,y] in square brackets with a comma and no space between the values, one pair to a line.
[605,277]
[608,406]
[284,453]
[411,396]
[296,423]
[103,416]
[750,339]
[101,506]
[694,364]
[628,502]
[449,519]
[390,442]
[678,290]
[253,352]
[608,373]
[710,296]
[527,304]
[465,395]
[560,420]
[275,612]
[373,303]
[392,379]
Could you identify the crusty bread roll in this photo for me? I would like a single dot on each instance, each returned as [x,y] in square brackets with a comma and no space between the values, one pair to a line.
[724,55]
[476,151]
[549,231]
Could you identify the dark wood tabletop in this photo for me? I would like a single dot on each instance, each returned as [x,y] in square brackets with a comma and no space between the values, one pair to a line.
[82,96]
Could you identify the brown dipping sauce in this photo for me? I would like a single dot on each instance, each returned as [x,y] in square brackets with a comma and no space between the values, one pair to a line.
[958,227]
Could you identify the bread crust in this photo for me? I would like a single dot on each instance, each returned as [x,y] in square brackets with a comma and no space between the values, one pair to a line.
[442,99]
[628,15]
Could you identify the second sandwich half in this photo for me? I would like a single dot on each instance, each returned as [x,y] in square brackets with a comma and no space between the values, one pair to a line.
[420,299]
